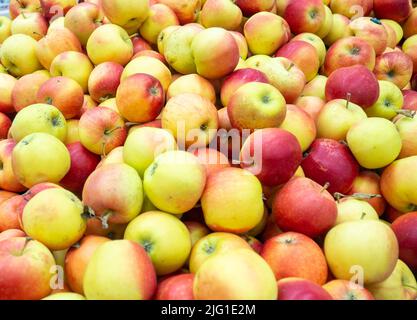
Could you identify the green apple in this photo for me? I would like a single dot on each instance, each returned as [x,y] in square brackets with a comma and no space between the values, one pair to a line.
[164,237]
[337,117]
[351,209]
[375,142]
[400,285]
[390,100]
[39,118]
[175,181]
[40,157]
[364,248]
[144,144]
[17,60]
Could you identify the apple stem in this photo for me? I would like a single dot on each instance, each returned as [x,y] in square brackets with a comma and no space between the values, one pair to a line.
[348,97]
[131,124]
[88,213]
[408,113]
[133,35]
[105,219]
[264,198]
[325,187]
[363,215]
[358,196]
[290,66]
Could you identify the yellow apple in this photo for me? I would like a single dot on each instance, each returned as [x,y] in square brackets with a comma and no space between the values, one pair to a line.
[5,28]
[192,83]
[32,24]
[390,100]
[129,14]
[351,209]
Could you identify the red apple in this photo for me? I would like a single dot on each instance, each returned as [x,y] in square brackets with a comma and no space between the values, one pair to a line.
[9,213]
[250,7]
[273,155]
[293,254]
[8,180]
[305,16]
[357,81]
[139,45]
[301,289]
[5,124]
[405,228]
[140,98]
[394,66]
[304,206]
[397,10]
[83,163]
[178,287]
[104,81]
[330,161]
[11,233]
[410,100]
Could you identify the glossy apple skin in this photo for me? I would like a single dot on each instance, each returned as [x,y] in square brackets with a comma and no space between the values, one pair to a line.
[304,206]
[301,289]
[397,10]
[293,254]
[410,100]
[405,228]
[300,17]
[178,287]
[104,81]
[330,161]
[250,7]
[272,154]
[396,63]
[83,163]
[357,80]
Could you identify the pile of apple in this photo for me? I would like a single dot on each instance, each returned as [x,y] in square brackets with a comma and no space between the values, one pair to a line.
[218,149]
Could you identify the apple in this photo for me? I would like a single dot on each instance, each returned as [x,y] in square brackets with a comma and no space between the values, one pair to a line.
[397,10]
[340,29]
[8,179]
[347,290]
[237,275]
[343,83]
[140,44]
[140,98]
[241,43]
[185,10]
[207,60]
[266,32]
[109,43]
[400,285]
[52,8]
[304,55]
[57,24]
[337,117]
[5,124]
[114,193]
[211,159]
[164,237]
[351,8]
[127,14]
[64,93]
[298,201]
[88,103]
[374,142]
[151,66]
[330,162]
[347,246]
[304,16]
[50,155]
[200,129]
[272,154]
[104,81]
[26,88]
[104,280]
[6,89]
[394,66]
[409,27]
[5,28]
[11,233]
[220,13]
[409,48]
[407,127]
[403,228]
[256,105]
[16,7]
[55,42]
[250,7]
[26,268]
[220,212]
[32,24]
[174,182]
[301,125]
[327,24]
[192,83]
[293,254]
[101,130]
[282,73]
[410,100]
[9,213]
[160,16]
[315,41]
[63,65]
[17,61]
[347,52]
[311,105]
[83,163]
[54,218]
[197,231]
[389,102]
[294,288]
[176,287]
[114,231]
[351,209]
[372,31]
[316,87]
[397,28]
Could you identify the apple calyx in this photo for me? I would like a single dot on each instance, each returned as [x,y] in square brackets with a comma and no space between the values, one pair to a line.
[358,196]
[407,113]
[105,219]
[147,245]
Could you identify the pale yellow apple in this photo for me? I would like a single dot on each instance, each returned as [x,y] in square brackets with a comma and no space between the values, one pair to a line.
[396,27]
[129,14]
[72,131]
[174,182]
[57,24]
[164,237]
[241,43]
[351,209]
[48,120]
[163,35]
[55,218]
[40,157]
[340,29]
[316,87]
[17,60]
[144,144]
[32,24]
[221,13]
[5,28]
[364,248]
[192,83]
